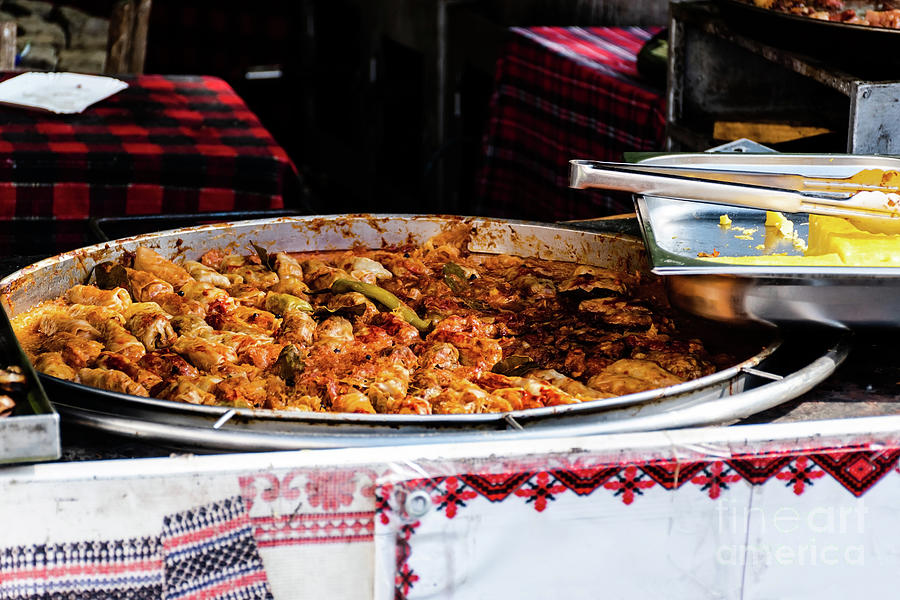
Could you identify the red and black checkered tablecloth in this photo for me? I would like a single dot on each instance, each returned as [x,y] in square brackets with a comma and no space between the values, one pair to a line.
[563,93]
[167,144]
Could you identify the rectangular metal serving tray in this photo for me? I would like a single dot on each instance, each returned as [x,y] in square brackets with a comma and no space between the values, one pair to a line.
[31,433]
[675,231]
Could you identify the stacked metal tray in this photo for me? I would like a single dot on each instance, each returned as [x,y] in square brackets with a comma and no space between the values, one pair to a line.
[676,231]
[31,432]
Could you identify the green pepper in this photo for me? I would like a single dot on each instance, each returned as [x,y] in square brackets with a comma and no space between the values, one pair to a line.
[383,297]
[456,279]
[282,304]
[290,363]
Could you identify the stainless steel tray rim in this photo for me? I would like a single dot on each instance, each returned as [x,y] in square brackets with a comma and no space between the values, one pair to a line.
[102,248]
[833,275]
[810,164]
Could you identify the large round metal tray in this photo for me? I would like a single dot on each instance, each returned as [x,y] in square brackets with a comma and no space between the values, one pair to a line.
[710,399]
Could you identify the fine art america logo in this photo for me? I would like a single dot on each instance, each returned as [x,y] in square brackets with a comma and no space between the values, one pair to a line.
[787,536]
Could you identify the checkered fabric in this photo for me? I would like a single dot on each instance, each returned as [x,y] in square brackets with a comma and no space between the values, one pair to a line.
[113,569]
[563,93]
[210,552]
[167,144]
[206,553]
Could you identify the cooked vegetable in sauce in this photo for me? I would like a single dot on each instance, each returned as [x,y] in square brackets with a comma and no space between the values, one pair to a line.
[411,329]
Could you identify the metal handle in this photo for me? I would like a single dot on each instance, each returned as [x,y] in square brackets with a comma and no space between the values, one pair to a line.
[587,174]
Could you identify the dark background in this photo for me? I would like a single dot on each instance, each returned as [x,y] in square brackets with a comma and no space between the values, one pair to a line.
[356,105]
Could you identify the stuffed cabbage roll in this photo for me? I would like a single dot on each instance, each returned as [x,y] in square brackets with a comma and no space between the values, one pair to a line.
[116,298]
[192,326]
[204,354]
[260,350]
[257,276]
[150,324]
[95,314]
[177,305]
[114,381]
[364,269]
[353,402]
[53,364]
[287,267]
[183,389]
[242,319]
[248,295]
[56,322]
[297,327]
[118,339]
[167,365]
[145,286]
[319,276]
[201,272]
[148,260]
[76,351]
[117,362]
[206,294]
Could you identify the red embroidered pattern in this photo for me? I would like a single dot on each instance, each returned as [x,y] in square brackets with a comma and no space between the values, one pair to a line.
[715,478]
[331,489]
[405,577]
[584,481]
[496,487]
[540,490]
[382,502]
[628,482]
[670,474]
[855,470]
[758,469]
[456,495]
[800,474]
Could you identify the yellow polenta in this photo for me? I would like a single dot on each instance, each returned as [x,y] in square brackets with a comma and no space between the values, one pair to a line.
[777,220]
[834,241]
[856,247]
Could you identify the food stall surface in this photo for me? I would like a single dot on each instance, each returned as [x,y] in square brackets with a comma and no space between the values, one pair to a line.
[796,498]
[782,498]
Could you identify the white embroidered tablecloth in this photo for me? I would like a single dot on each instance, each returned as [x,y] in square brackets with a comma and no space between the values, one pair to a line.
[743,512]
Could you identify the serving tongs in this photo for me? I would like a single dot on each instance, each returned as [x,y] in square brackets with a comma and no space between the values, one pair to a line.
[784,192]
